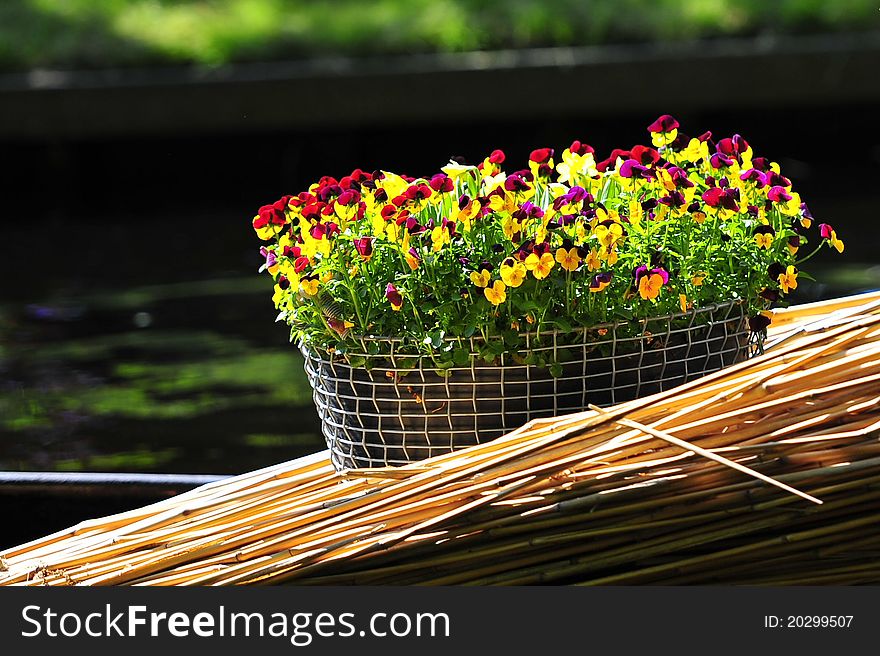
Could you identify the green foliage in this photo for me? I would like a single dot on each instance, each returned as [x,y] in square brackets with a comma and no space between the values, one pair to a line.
[96,33]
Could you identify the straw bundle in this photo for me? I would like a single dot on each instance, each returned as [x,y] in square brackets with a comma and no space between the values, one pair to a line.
[765,473]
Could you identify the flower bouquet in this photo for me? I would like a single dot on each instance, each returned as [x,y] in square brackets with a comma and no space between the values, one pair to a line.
[436,312]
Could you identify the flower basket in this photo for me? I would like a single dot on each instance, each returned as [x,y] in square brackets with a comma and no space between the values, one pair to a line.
[440,311]
[399,411]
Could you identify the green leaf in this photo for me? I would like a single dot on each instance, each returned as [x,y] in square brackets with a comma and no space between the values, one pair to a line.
[555,369]
[461,357]
[562,324]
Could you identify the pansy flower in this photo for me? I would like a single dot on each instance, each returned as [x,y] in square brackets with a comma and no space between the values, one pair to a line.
[364,247]
[347,204]
[644,155]
[441,183]
[513,273]
[540,265]
[482,278]
[413,259]
[788,279]
[631,168]
[828,233]
[309,284]
[650,281]
[789,203]
[568,258]
[611,161]
[541,162]
[600,281]
[759,322]
[271,219]
[496,293]
[763,236]
[394,297]
[271,264]
[663,131]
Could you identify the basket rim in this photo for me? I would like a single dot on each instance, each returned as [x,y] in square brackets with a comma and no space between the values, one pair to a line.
[611,325]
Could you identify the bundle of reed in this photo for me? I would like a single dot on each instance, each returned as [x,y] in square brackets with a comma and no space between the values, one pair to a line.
[767,472]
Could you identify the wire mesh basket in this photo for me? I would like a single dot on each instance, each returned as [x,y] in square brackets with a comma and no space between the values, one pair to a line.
[404,408]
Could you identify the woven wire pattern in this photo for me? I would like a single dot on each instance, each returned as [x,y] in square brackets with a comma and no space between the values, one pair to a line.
[395,413]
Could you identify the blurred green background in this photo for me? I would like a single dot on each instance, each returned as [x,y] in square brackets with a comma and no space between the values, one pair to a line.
[99,33]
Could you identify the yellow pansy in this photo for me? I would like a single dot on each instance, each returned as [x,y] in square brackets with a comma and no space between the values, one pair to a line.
[439,237]
[764,240]
[569,259]
[594,262]
[788,280]
[663,138]
[513,273]
[650,285]
[792,207]
[503,202]
[496,294]
[480,279]
[696,150]
[574,166]
[609,255]
[454,169]
[465,215]
[540,266]
[609,235]
[393,184]
[309,285]
[510,226]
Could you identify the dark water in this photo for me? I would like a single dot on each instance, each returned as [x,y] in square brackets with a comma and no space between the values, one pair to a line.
[106,374]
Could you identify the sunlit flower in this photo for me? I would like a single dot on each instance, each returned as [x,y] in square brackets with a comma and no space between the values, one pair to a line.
[394,297]
[788,279]
[271,260]
[539,265]
[600,281]
[763,236]
[650,285]
[347,204]
[441,183]
[455,170]
[683,302]
[608,235]
[541,162]
[413,259]
[496,294]
[593,261]
[663,131]
[271,219]
[696,150]
[512,272]
[309,285]
[568,258]
[481,279]
[575,165]
[828,233]
[364,247]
